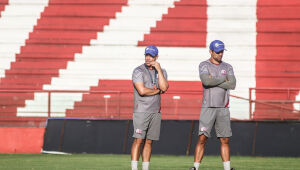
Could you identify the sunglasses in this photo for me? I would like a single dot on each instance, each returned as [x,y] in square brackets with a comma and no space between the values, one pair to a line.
[150,55]
[219,52]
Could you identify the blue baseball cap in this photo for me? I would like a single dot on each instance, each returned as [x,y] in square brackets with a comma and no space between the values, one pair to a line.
[217,46]
[152,50]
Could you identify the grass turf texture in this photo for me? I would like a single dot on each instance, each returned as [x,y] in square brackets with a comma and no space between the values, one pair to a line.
[119,162]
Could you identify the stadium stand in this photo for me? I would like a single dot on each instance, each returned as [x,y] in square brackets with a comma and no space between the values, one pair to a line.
[74,59]
[177,69]
[80,50]
[16,21]
[52,43]
[183,26]
[100,59]
[3,3]
[277,63]
[116,101]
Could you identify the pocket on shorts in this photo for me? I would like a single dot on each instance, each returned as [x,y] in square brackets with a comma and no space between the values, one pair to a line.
[223,124]
[139,123]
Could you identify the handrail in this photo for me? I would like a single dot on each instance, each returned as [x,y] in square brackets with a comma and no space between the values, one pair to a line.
[273,88]
[50,92]
[271,103]
[60,91]
[274,103]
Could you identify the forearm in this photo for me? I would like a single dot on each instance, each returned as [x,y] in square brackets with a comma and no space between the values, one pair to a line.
[148,92]
[229,84]
[162,82]
[144,91]
[207,80]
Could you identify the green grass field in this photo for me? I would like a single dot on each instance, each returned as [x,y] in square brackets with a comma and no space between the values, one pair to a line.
[119,162]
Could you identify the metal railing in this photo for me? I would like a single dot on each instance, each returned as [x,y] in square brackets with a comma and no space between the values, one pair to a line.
[269,103]
[103,104]
[274,103]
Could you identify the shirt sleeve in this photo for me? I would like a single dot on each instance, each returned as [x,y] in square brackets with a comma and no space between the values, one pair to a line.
[211,81]
[203,69]
[137,76]
[229,84]
[165,74]
[230,70]
[206,79]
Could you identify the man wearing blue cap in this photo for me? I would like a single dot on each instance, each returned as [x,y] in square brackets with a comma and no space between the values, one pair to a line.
[149,81]
[217,79]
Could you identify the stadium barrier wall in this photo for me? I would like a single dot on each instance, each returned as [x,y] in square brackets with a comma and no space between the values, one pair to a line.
[21,139]
[178,137]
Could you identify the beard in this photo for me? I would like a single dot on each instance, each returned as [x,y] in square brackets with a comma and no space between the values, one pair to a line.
[148,63]
[218,59]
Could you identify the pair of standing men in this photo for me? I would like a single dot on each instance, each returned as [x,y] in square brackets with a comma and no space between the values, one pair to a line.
[150,80]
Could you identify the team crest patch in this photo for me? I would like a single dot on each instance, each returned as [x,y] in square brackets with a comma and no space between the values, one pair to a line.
[217,45]
[223,72]
[203,129]
[138,131]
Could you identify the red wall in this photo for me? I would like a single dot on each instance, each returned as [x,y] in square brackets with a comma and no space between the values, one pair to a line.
[21,140]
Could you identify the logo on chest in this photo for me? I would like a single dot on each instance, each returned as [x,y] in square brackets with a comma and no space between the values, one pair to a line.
[223,72]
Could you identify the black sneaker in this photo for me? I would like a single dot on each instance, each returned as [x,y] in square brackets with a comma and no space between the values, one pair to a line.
[232,169]
[193,168]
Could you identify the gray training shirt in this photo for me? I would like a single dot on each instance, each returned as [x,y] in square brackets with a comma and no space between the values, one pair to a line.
[146,104]
[217,80]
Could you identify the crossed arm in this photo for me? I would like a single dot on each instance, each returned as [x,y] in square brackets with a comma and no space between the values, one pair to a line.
[144,91]
[162,82]
[228,82]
